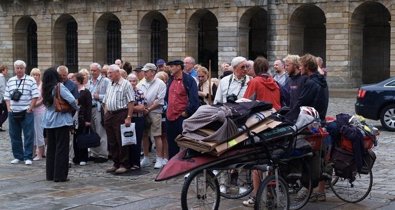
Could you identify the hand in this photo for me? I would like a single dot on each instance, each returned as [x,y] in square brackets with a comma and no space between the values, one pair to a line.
[128,121]
[29,110]
[184,114]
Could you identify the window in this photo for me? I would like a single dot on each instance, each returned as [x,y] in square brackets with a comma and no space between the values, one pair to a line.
[155,40]
[113,41]
[31,46]
[72,46]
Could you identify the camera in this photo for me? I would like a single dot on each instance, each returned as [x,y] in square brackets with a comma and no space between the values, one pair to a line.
[16,95]
[231,98]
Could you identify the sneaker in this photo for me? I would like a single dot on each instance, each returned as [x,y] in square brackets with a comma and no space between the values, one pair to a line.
[37,158]
[315,196]
[15,161]
[302,194]
[158,163]
[164,161]
[28,162]
[82,163]
[145,162]
[222,189]
[121,170]
[250,202]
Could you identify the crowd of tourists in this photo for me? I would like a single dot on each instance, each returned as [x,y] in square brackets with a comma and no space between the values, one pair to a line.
[156,97]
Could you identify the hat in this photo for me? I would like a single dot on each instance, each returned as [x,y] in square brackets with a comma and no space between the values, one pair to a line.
[138,68]
[175,62]
[160,62]
[237,60]
[149,66]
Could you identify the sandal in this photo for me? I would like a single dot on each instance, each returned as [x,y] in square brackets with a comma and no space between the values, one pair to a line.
[133,168]
[317,196]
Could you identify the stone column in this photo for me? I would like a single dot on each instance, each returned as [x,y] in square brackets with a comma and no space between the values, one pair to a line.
[85,39]
[392,47]
[6,45]
[177,30]
[129,28]
[45,53]
[278,31]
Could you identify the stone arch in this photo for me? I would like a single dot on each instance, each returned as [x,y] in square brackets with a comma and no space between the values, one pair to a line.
[370,41]
[253,33]
[65,42]
[202,39]
[307,31]
[107,39]
[25,42]
[153,38]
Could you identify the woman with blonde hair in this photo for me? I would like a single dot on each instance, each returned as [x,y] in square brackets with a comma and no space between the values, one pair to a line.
[38,112]
[86,75]
[206,95]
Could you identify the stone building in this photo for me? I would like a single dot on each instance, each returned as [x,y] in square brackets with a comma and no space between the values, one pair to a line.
[356,38]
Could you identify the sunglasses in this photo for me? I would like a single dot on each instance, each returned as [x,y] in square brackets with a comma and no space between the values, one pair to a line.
[244,67]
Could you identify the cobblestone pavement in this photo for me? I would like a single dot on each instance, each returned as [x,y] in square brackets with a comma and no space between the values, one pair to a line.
[24,187]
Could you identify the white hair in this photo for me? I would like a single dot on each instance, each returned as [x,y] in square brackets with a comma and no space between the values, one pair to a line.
[95,64]
[62,68]
[237,60]
[114,67]
[20,63]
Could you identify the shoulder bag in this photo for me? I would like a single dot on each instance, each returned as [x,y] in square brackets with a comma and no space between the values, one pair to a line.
[61,105]
[88,139]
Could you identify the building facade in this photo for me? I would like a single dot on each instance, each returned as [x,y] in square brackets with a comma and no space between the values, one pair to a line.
[354,37]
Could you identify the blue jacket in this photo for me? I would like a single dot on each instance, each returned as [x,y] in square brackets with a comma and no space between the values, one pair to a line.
[192,92]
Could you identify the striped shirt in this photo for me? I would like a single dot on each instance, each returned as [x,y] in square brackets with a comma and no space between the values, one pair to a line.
[118,95]
[28,88]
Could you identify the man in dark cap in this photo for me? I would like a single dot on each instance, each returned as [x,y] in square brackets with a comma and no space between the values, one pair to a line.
[182,101]
[161,64]
[139,73]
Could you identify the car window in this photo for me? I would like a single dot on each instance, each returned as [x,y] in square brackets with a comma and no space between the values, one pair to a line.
[390,84]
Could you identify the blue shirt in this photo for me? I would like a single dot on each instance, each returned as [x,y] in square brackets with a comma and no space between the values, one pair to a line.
[72,88]
[54,119]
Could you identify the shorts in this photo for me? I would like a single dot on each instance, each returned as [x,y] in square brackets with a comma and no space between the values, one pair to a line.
[153,125]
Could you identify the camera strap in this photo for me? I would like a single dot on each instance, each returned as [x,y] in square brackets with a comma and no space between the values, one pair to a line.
[16,84]
[241,86]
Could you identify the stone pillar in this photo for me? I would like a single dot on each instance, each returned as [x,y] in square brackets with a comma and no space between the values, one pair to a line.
[85,39]
[177,32]
[129,28]
[278,31]
[392,47]
[228,36]
[6,45]
[45,53]
[337,52]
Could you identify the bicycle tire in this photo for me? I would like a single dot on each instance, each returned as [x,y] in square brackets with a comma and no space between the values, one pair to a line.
[266,197]
[192,195]
[346,189]
[243,185]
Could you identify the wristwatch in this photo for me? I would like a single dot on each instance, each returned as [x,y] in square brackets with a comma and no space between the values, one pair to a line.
[129,116]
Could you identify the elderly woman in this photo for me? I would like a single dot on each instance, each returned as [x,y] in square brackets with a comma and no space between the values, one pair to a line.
[86,75]
[38,111]
[206,95]
[57,126]
[138,119]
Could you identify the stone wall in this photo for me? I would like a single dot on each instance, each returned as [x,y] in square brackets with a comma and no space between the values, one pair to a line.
[343,40]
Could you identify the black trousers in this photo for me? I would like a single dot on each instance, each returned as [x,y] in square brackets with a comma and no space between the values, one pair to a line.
[57,161]
[174,128]
[79,154]
[134,155]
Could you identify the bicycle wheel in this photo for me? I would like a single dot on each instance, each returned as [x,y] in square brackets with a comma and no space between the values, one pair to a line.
[234,183]
[271,197]
[200,191]
[352,190]
[300,188]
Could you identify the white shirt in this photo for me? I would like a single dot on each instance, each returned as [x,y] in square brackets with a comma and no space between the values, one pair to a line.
[118,95]
[154,90]
[231,85]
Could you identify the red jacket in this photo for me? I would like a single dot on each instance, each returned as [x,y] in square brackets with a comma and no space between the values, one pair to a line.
[264,88]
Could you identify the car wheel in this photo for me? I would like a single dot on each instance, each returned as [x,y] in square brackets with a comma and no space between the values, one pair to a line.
[387,117]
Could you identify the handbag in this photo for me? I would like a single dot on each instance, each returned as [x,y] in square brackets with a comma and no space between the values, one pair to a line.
[128,134]
[19,115]
[88,139]
[61,105]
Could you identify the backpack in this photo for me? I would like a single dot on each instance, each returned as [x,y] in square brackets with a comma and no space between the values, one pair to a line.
[344,163]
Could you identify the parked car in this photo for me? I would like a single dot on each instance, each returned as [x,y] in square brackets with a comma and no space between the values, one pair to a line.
[377,102]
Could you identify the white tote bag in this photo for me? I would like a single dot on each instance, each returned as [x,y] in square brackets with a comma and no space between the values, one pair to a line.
[128,134]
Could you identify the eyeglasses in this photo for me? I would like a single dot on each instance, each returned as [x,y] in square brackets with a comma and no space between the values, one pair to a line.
[201,76]
[244,67]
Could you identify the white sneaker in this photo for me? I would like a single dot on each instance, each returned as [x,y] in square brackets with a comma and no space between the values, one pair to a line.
[15,161]
[164,161]
[36,158]
[82,163]
[222,188]
[250,202]
[145,162]
[158,163]
[28,162]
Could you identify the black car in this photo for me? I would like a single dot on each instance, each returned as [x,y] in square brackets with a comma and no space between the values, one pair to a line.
[377,101]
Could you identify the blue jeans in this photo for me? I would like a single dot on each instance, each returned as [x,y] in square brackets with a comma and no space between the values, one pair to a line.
[22,150]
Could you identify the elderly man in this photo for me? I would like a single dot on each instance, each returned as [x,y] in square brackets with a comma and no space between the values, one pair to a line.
[119,63]
[154,90]
[21,94]
[182,101]
[161,64]
[118,103]
[63,72]
[98,87]
[233,86]
[190,63]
